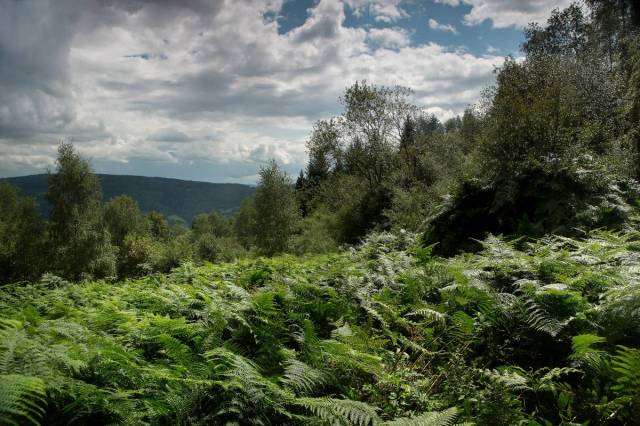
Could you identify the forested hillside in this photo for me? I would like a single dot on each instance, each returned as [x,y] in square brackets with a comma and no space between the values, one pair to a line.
[178,200]
[483,270]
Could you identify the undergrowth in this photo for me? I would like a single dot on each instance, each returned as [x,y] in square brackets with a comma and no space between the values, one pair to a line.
[540,333]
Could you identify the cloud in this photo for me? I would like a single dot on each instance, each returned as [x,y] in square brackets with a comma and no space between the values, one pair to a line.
[380,10]
[452,3]
[507,13]
[169,135]
[388,37]
[435,25]
[200,88]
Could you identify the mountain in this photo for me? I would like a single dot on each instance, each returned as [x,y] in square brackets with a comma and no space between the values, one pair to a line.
[179,200]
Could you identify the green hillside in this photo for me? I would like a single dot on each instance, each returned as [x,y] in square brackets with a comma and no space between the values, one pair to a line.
[176,199]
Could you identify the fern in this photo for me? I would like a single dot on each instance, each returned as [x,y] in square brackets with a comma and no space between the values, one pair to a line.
[584,353]
[538,319]
[436,418]
[22,399]
[626,365]
[430,315]
[341,411]
[302,378]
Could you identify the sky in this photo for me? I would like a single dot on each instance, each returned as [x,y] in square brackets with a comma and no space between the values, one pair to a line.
[211,89]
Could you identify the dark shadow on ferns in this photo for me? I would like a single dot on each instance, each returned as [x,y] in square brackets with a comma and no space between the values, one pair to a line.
[530,205]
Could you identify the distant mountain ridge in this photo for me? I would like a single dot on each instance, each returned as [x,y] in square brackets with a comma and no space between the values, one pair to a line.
[179,200]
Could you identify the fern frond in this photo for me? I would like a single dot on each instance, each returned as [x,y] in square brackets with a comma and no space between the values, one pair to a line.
[22,399]
[512,378]
[434,418]
[341,411]
[584,353]
[626,363]
[539,320]
[302,378]
[430,315]
[462,327]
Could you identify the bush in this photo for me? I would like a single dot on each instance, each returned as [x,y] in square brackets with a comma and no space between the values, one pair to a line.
[535,202]
[218,249]
[140,254]
[314,235]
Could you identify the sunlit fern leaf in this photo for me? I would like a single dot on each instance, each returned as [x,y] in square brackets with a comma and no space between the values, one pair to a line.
[626,363]
[8,342]
[341,411]
[584,353]
[342,354]
[414,346]
[538,319]
[434,418]
[302,378]
[430,315]
[49,280]
[511,378]
[22,399]
[545,380]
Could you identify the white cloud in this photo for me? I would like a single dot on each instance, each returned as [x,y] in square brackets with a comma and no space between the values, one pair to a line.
[507,13]
[381,10]
[389,37]
[209,83]
[452,3]
[435,25]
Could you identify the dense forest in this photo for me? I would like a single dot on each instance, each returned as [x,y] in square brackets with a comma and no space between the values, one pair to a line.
[482,270]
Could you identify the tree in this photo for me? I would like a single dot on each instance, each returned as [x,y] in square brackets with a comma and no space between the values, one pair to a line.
[22,237]
[372,126]
[547,110]
[244,223]
[276,210]
[564,34]
[158,226]
[214,224]
[122,217]
[78,235]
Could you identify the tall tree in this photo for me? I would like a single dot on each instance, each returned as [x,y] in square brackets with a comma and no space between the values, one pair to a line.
[276,210]
[78,235]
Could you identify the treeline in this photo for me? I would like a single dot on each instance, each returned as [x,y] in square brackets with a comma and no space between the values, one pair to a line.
[553,147]
[85,238]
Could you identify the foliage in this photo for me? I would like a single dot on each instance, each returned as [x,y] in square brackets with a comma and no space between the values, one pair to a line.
[536,202]
[82,244]
[276,210]
[383,334]
[23,237]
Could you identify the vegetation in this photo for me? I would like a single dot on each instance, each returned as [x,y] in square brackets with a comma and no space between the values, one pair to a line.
[385,334]
[477,271]
[178,200]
